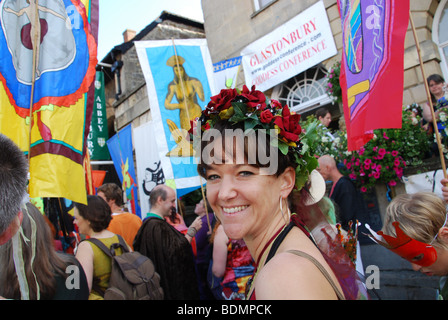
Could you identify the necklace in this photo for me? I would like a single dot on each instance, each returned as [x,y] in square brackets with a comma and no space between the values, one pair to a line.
[262,257]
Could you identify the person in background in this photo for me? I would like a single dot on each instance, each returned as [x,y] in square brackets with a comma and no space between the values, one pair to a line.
[349,201]
[437,88]
[46,270]
[418,223]
[125,224]
[169,249]
[92,221]
[204,247]
[13,184]
[233,263]
[177,221]
[324,116]
[175,218]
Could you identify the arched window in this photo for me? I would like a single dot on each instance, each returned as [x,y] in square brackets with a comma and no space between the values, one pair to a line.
[304,92]
[440,34]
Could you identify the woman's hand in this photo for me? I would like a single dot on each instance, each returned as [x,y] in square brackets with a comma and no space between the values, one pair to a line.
[197,223]
[444,183]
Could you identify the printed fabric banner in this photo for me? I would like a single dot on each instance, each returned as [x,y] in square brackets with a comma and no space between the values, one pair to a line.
[226,73]
[371,70]
[179,79]
[149,166]
[98,133]
[121,151]
[297,45]
[43,88]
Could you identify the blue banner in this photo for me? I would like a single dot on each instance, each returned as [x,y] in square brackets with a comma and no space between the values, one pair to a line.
[180,82]
[121,152]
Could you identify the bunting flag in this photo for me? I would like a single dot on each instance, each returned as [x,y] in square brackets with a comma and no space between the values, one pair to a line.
[98,178]
[121,151]
[48,52]
[371,75]
[226,72]
[180,82]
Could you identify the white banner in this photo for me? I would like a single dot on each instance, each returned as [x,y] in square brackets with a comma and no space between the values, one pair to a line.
[424,182]
[149,167]
[292,48]
[179,80]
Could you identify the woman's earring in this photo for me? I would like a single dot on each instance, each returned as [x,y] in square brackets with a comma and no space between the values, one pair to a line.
[216,218]
[288,217]
[281,205]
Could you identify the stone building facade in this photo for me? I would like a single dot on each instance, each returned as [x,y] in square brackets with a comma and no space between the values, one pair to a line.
[233,24]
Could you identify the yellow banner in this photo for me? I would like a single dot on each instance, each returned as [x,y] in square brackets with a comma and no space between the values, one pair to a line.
[64,72]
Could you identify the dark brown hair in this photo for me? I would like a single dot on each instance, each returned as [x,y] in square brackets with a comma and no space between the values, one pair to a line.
[321,112]
[112,192]
[437,79]
[97,212]
[222,126]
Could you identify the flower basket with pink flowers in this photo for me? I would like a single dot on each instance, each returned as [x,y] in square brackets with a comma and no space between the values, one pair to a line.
[383,159]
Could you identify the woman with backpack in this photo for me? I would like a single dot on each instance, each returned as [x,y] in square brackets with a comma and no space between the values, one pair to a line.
[92,220]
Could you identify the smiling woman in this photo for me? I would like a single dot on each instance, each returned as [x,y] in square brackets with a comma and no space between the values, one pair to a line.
[250,196]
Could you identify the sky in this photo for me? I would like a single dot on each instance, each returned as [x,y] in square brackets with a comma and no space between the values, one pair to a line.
[118,15]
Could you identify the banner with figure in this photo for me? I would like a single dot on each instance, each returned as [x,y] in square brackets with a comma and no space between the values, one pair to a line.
[371,70]
[43,87]
[179,79]
[121,151]
[149,166]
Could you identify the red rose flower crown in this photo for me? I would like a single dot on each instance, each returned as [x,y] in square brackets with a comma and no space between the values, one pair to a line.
[250,107]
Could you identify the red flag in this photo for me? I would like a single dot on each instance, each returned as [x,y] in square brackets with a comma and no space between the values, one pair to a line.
[371,76]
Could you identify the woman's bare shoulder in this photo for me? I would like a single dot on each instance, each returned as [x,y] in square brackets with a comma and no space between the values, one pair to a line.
[288,276]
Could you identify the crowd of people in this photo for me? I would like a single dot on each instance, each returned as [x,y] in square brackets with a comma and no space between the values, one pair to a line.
[263,232]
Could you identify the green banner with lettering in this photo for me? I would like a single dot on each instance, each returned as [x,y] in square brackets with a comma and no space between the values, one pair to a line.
[96,141]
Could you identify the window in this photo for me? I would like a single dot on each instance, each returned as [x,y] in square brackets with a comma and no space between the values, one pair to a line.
[305,92]
[440,36]
[261,4]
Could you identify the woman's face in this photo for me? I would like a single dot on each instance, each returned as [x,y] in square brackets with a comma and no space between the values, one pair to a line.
[326,120]
[83,224]
[436,88]
[199,209]
[244,200]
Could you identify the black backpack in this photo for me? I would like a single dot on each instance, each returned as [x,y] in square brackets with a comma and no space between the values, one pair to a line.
[133,276]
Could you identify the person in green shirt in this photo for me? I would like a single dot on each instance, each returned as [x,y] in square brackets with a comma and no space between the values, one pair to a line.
[169,249]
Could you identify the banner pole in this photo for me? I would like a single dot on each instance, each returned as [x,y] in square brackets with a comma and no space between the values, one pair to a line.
[181,80]
[428,94]
[88,172]
[204,200]
[36,46]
